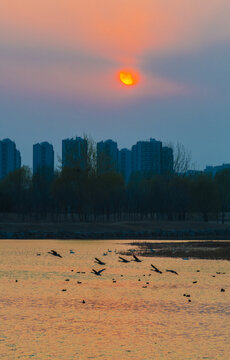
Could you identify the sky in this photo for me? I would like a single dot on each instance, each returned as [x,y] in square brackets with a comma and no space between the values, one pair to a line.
[59,66]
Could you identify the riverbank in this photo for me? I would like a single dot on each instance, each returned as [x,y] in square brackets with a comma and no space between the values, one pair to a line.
[149,230]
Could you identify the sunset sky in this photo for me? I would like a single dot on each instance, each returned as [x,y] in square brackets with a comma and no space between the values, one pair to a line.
[60,61]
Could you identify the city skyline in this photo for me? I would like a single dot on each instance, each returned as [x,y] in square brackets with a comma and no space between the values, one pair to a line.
[159,160]
[58,153]
[59,77]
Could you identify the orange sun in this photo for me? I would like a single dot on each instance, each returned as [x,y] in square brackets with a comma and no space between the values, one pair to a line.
[128,78]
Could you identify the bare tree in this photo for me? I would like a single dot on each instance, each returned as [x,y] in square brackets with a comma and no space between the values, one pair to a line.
[182,158]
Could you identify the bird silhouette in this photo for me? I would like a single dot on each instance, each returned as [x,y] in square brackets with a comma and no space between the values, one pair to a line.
[123,260]
[136,258]
[98,273]
[53,252]
[156,269]
[98,261]
[172,271]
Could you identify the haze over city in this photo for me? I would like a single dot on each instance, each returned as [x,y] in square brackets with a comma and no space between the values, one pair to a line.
[59,68]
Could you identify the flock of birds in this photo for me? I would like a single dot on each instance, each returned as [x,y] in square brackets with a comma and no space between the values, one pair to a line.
[123,260]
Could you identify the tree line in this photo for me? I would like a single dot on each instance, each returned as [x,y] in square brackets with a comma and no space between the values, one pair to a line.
[85,195]
[91,189]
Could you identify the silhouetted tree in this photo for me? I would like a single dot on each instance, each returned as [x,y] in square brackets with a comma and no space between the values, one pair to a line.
[15,188]
[222,180]
[182,159]
[205,195]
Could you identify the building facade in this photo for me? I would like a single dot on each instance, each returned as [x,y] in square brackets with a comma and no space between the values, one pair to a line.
[107,156]
[167,160]
[125,163]
[10,157]
[74,153]
[43,158]
[147,157]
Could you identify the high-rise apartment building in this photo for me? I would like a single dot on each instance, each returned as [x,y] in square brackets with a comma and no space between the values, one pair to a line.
[43,158]
[10,158]
[167,160]
[146,157]
[125,163]
[107,156]
[74,152]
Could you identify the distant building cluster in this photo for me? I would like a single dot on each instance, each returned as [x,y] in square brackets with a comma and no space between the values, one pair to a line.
[145,157]
[149,157]
[213,170]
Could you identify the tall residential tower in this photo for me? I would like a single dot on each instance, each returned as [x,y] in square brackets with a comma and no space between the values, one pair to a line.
[43,159]
[146,157]
[125,163]
[107,156]
[74,153]
[10,158]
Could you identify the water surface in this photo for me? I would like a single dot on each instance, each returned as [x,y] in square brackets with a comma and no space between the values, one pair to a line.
[126,319]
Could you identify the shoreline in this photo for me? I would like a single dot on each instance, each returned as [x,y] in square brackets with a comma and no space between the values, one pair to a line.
[142,230]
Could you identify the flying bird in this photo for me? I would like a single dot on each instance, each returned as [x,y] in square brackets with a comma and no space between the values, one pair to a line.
[123,259]
[98,273]
[155,269]
[172,271]
[98,261]
[53,252]
[136,258]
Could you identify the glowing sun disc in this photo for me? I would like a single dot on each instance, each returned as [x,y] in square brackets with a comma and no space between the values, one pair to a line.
[128,78]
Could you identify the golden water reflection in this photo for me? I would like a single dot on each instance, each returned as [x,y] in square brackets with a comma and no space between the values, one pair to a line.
[126,319]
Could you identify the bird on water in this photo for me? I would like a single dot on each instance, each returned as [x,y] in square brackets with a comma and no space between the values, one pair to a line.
[156,269]
[123,260]
[98,273]
[172,271]
[54,253]
[98,261]
[136,258]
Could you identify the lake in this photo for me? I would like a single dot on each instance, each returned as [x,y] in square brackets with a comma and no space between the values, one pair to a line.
[129,312]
